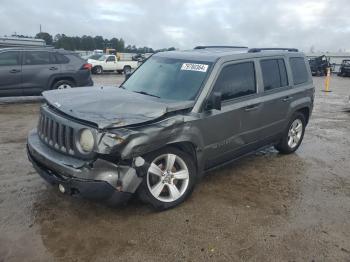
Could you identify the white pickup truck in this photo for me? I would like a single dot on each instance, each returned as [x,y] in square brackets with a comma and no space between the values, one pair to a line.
[111,63]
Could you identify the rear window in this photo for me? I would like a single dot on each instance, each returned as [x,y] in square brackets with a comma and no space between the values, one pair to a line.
[299,71]
[36,58]
[274,73]
[60,59]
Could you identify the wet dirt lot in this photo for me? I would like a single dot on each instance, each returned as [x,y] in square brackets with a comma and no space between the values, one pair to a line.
[266,207]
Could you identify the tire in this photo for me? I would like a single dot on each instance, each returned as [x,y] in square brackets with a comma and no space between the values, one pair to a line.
[98,70]
[119,71]
[127,69]
[63,84]
[167,192]
[293,135]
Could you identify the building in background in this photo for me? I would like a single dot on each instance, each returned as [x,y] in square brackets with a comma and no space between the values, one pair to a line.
[19,41]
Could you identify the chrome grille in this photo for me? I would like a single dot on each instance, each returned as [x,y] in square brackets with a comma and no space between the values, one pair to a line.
[55,134]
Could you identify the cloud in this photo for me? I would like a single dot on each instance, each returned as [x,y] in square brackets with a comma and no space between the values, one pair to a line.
[324,24]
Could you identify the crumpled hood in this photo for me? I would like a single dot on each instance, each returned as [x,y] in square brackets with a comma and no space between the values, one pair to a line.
[111,106]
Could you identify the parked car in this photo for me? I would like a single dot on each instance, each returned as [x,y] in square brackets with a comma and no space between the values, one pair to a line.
[319,65]
[30,71]
[139,57]
[178,116]
[112,63]
[344,69]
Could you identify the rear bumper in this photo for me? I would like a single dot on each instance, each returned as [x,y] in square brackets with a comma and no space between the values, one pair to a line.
[97,179]
[83,78]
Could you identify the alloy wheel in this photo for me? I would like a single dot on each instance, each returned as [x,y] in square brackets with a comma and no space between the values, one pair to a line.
[295,133]
[168,177]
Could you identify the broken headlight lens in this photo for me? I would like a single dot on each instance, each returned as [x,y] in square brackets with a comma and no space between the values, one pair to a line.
[86,140]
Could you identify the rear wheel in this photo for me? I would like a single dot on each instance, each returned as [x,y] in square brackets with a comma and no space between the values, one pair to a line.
[63,84]
[170,178]
[293,135]
[127,69]
[98,70]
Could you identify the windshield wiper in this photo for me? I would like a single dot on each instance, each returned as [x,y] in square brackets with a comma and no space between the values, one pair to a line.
[145,93]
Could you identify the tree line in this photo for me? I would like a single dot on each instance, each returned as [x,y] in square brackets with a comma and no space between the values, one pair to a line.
[88,43]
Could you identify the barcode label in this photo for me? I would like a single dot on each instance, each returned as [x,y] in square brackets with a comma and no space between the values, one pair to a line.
[194,67]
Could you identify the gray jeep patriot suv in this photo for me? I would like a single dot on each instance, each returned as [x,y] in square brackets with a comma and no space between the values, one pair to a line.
[179,115]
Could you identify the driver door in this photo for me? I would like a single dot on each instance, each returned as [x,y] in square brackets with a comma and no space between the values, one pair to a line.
[233,130]
[111,63]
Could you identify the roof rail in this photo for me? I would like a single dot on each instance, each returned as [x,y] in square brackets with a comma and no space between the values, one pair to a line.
[255,50]
[219,46]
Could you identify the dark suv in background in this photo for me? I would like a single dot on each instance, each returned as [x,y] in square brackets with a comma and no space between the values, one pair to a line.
[26,71]
[344,69]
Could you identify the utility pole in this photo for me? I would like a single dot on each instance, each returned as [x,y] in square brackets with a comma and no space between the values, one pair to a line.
[40,28]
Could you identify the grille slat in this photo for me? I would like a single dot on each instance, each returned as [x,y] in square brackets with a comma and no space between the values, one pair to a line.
[60,136]
[67,137]
[41,124]
[49,135]
[45,127]
[54,133]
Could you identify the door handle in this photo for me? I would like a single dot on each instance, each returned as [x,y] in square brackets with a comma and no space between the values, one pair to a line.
[15,71]
[287,98]
[53,68]
[251,108]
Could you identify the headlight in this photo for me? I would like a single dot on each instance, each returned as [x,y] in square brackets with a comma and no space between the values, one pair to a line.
[86,141]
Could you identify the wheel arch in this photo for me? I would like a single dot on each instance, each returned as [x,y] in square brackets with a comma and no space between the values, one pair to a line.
[55,79]
[306,112]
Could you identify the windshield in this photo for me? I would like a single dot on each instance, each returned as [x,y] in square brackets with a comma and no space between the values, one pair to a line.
[102,58]
[95,57]
[169,78]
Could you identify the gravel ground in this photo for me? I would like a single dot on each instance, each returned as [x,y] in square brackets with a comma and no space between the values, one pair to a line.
[266,207]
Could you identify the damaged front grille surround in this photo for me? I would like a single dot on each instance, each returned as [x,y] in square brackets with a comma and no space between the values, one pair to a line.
[60,133]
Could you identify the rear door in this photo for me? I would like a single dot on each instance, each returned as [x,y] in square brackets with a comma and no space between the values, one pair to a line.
[36,71]
[10,73]
[276,96]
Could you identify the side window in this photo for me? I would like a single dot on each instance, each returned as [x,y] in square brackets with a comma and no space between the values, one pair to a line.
[36,58]
[53,59]
[111,59]
[236,80]
[299,71]
[61,59]
[274,73]
[9,59]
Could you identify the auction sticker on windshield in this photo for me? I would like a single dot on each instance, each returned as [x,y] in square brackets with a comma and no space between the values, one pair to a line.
[194,67]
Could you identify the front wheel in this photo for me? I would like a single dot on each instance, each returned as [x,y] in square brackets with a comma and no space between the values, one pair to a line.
[170,178]
[63,84]
[293,135]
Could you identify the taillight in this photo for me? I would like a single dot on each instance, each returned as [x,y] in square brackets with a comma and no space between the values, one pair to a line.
[87,66]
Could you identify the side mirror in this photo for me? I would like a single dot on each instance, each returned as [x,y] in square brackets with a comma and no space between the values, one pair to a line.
[214,101]
[127,75]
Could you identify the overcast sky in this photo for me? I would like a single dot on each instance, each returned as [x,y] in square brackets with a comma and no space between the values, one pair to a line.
[163,23]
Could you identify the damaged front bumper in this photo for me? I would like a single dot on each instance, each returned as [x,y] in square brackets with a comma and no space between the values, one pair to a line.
[96,179]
